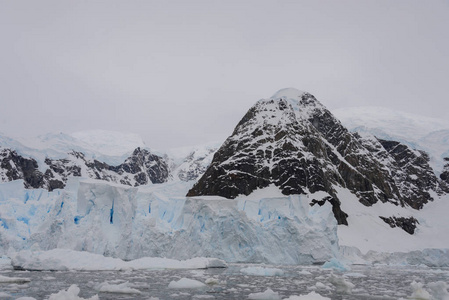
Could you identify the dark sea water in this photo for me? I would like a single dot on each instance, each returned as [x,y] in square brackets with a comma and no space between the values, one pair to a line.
[378,282]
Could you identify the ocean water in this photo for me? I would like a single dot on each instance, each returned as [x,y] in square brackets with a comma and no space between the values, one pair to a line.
[367,282]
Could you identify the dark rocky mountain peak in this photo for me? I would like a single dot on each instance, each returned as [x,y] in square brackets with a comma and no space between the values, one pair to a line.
[292,141]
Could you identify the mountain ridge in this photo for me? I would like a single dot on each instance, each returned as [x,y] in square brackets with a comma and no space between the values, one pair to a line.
[291,140]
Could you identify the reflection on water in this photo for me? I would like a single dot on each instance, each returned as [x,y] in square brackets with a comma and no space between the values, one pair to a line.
[379,282]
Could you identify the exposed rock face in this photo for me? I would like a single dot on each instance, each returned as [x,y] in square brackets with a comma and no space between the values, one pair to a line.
[145,167]
[445,174]
[13,167]
[412,174]
[407,224]
[292,141]
[141,168]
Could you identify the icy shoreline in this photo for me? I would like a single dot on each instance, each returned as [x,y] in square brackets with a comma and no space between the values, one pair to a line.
[65,259]
[71,260]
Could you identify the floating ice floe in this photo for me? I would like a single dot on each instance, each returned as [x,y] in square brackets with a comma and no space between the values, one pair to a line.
[122,288]
[310,296]
[71,294]
[186,283]
[269,294]
[65,259]
[4,279]
[341,285]
[438,290]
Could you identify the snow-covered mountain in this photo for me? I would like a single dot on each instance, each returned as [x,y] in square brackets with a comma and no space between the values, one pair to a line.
[50,160]
[292,141]
[423,133]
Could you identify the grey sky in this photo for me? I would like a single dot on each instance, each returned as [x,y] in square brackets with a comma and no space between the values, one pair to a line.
[185,72]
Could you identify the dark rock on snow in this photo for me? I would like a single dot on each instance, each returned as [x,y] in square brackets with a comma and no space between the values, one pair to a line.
[296,144]
[140,168]
[407,224]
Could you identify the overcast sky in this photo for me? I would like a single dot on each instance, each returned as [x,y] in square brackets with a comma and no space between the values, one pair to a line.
[185,72]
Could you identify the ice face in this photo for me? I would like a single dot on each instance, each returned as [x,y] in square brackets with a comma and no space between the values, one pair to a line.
[117,221]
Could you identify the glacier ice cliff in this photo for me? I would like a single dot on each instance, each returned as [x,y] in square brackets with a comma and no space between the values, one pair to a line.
[129,223]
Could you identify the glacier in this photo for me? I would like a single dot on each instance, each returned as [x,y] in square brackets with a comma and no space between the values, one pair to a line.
[157,221]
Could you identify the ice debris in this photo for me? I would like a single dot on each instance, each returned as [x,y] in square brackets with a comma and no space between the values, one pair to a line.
[438,290]
[65,259]
[186,283]
[341,285]
[71,294]
[419,293]
[4,279]
[310,296]
[122,288]
[269,294]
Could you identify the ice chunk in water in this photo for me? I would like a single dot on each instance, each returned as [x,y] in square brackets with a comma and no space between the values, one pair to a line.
[438,290]
[71,294]
[419,292]
[267,295]
[186,283]
[341,284]
[311,296]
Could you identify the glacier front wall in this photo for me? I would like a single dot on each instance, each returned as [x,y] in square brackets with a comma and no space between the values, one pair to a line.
[130,223]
